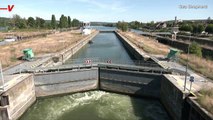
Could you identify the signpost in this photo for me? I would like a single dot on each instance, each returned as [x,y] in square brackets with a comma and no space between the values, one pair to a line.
[191,79]
[88,61]
[109,61]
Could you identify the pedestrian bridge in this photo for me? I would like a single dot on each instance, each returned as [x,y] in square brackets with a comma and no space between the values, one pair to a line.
[144,80]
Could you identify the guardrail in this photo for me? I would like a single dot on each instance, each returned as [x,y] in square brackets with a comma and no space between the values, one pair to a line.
[125,67]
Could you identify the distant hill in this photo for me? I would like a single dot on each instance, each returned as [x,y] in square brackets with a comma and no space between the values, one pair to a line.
[102,24]
[4,21]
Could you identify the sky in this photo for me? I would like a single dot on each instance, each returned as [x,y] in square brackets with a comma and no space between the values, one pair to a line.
[110,10]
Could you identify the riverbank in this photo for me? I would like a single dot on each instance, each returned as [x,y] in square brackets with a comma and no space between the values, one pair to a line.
[46,45]
[151,46]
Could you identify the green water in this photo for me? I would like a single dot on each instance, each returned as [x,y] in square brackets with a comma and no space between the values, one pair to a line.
[96,105]
[105,46]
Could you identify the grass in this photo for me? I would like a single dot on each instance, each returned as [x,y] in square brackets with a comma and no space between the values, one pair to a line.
[148,45]
[50,44]
[198,64]
[205,99]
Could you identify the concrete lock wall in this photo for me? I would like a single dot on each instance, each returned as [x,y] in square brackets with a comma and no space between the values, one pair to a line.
[130,49]
[65,82]
[202,41]
[126,82]
[195,111]
[66,54]
[172,98]
[20,97]
[206,52]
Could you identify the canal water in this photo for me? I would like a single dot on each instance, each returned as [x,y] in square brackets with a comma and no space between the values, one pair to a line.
[98,105]
[104,47]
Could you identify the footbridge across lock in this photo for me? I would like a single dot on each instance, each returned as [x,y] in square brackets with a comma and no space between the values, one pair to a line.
[143,80]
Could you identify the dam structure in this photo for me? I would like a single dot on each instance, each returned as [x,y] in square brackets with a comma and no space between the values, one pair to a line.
[107,65]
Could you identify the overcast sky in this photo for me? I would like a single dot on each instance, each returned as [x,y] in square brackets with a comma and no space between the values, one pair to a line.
[109,10]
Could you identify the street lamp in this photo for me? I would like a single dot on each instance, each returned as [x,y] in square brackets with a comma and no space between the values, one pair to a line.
[187,63]
[2,77]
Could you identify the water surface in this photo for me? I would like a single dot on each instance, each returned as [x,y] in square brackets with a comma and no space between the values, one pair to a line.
[96,105]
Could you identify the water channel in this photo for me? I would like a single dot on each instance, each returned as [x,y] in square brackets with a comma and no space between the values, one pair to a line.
[104,47]
[98,105]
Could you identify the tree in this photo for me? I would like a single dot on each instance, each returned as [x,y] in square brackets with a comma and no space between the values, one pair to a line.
[15,20]
[53,22]
[75,23]
[63,23]
[122,25]
[135,25]
[209,28]
[69,22]
[31,22]
[195,48]
[186,27]
[22,24]
[198,28]
[40,23]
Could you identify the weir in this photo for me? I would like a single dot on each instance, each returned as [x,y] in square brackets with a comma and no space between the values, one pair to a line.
[148,79]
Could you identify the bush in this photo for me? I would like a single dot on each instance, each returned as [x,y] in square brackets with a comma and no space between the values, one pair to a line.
[209,28]
[195,48]
[198,28]
[186,27]
[122,25]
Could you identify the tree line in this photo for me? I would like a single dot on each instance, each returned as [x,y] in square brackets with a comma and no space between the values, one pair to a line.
[16,22]
[197,28]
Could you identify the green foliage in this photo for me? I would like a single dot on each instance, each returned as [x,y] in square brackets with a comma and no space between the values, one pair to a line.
[53,22]
[151,24]
[22,24]
[209,28]
[18,22]
[198,28]
[69,22]
[63,23]
[122,25]
[31,22]
[40,22]
[135,25]
[186,27]
[4,22]
[195,48]
[75,23]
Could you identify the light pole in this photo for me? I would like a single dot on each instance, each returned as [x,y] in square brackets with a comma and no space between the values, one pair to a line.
[2,77]
[187,63]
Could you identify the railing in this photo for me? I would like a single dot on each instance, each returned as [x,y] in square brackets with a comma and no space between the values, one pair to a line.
[89,61]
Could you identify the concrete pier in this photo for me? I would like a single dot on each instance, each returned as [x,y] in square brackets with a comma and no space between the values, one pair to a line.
[17,94]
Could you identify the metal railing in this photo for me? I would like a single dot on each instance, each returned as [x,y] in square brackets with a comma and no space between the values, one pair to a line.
[89,61]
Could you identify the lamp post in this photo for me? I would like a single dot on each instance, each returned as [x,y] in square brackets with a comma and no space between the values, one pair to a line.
[2,77]
[187,64]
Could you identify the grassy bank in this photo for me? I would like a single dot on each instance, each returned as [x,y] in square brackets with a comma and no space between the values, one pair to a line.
[151,46]
[50,44]
[205,98]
